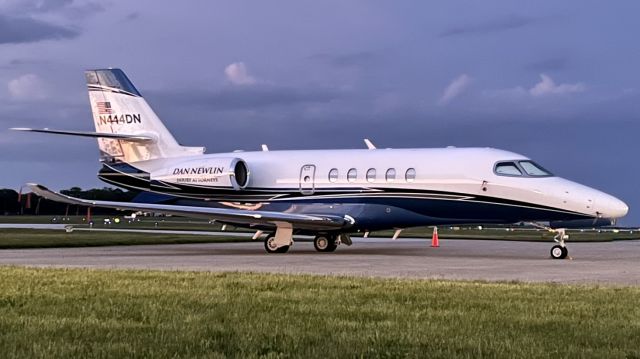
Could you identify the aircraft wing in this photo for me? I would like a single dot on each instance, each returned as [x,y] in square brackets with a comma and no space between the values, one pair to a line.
[303,221]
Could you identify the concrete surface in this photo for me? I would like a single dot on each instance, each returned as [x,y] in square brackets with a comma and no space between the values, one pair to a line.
[616,263]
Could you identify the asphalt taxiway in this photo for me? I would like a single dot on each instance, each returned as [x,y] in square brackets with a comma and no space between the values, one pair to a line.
[616,263]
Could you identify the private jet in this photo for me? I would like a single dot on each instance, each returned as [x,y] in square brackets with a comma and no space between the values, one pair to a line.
[329,194]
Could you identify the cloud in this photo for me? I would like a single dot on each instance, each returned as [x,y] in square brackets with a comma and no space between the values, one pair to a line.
[27,87]
[16,30]
[551,64]
[502,24]
[345,60]
[547,86]
[68,8]
[241,98]
[455,89]
[34,5]
[507,93]
[82,10]
[132,16]
[237,74]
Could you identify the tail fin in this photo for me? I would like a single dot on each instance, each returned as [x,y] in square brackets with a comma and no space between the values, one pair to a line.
[119,108]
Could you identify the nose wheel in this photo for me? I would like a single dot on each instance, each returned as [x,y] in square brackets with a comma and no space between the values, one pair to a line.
[559,252]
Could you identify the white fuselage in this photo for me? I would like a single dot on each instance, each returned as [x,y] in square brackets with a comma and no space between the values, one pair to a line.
[455,171]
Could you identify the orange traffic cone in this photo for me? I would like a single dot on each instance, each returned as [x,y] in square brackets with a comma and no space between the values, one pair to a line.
[434,238]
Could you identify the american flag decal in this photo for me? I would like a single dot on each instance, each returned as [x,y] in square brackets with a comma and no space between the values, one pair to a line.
[104,108]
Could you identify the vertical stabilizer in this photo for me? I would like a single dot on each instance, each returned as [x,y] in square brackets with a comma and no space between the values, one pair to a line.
[119,108]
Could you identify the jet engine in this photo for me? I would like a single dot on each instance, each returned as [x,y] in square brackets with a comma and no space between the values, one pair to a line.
[217,172]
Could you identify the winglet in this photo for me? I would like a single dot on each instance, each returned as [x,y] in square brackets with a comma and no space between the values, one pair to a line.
[369,144]
[46,193]
[265,148]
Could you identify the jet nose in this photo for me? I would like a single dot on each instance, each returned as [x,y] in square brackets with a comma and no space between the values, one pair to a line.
[611,207]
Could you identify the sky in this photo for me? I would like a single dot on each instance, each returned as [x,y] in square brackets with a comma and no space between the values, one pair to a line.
[555,81]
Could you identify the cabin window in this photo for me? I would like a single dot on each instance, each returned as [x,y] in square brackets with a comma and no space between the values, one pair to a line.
[333,175]
[410,175]
[371,175]
[390,176]
[352,174]
[533,169]
[507,169]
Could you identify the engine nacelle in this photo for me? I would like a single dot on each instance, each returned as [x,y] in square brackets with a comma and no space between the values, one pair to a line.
[219,172]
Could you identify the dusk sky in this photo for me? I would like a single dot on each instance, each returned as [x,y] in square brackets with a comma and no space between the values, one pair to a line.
[555,81]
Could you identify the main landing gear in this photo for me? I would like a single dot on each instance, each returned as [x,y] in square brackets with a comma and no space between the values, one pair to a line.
[272,247]
[323,242]
[560,251]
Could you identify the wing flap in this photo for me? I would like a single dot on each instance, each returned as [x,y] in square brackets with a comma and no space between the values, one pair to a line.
[247,217]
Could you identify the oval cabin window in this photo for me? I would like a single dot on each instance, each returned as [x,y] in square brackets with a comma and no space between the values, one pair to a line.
[351,175]
[391,175]
[410,176]
[371,175]
[333,175]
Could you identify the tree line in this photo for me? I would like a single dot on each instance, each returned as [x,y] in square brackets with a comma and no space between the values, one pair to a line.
[15,203]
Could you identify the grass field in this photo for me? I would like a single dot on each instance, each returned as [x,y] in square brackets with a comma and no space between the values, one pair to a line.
[55,313]
[168,223]
[36,238]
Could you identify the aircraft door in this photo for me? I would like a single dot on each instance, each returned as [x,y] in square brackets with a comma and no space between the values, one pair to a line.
[307,179]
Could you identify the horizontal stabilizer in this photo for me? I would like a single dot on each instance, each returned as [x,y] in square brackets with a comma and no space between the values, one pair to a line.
[115,136]
[227,215]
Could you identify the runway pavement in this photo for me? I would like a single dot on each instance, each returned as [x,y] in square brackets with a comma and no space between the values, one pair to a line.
[603,263]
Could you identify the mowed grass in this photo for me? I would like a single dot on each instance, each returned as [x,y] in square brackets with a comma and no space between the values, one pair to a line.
[168,223]
[40,238]
[64,313]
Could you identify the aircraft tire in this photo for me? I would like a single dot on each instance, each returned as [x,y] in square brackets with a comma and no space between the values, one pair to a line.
[270,247]
[325,243]
[559,252]
[333,246]
[321,242]
[283,249]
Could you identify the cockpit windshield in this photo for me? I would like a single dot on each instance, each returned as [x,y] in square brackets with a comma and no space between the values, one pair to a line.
[533,169]
[508,169]
[525,168]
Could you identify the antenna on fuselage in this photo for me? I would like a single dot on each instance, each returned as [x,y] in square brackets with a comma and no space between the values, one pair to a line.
[369,144]
[265,148]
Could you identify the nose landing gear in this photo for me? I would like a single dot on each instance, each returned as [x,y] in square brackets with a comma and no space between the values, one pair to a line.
[560,251]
